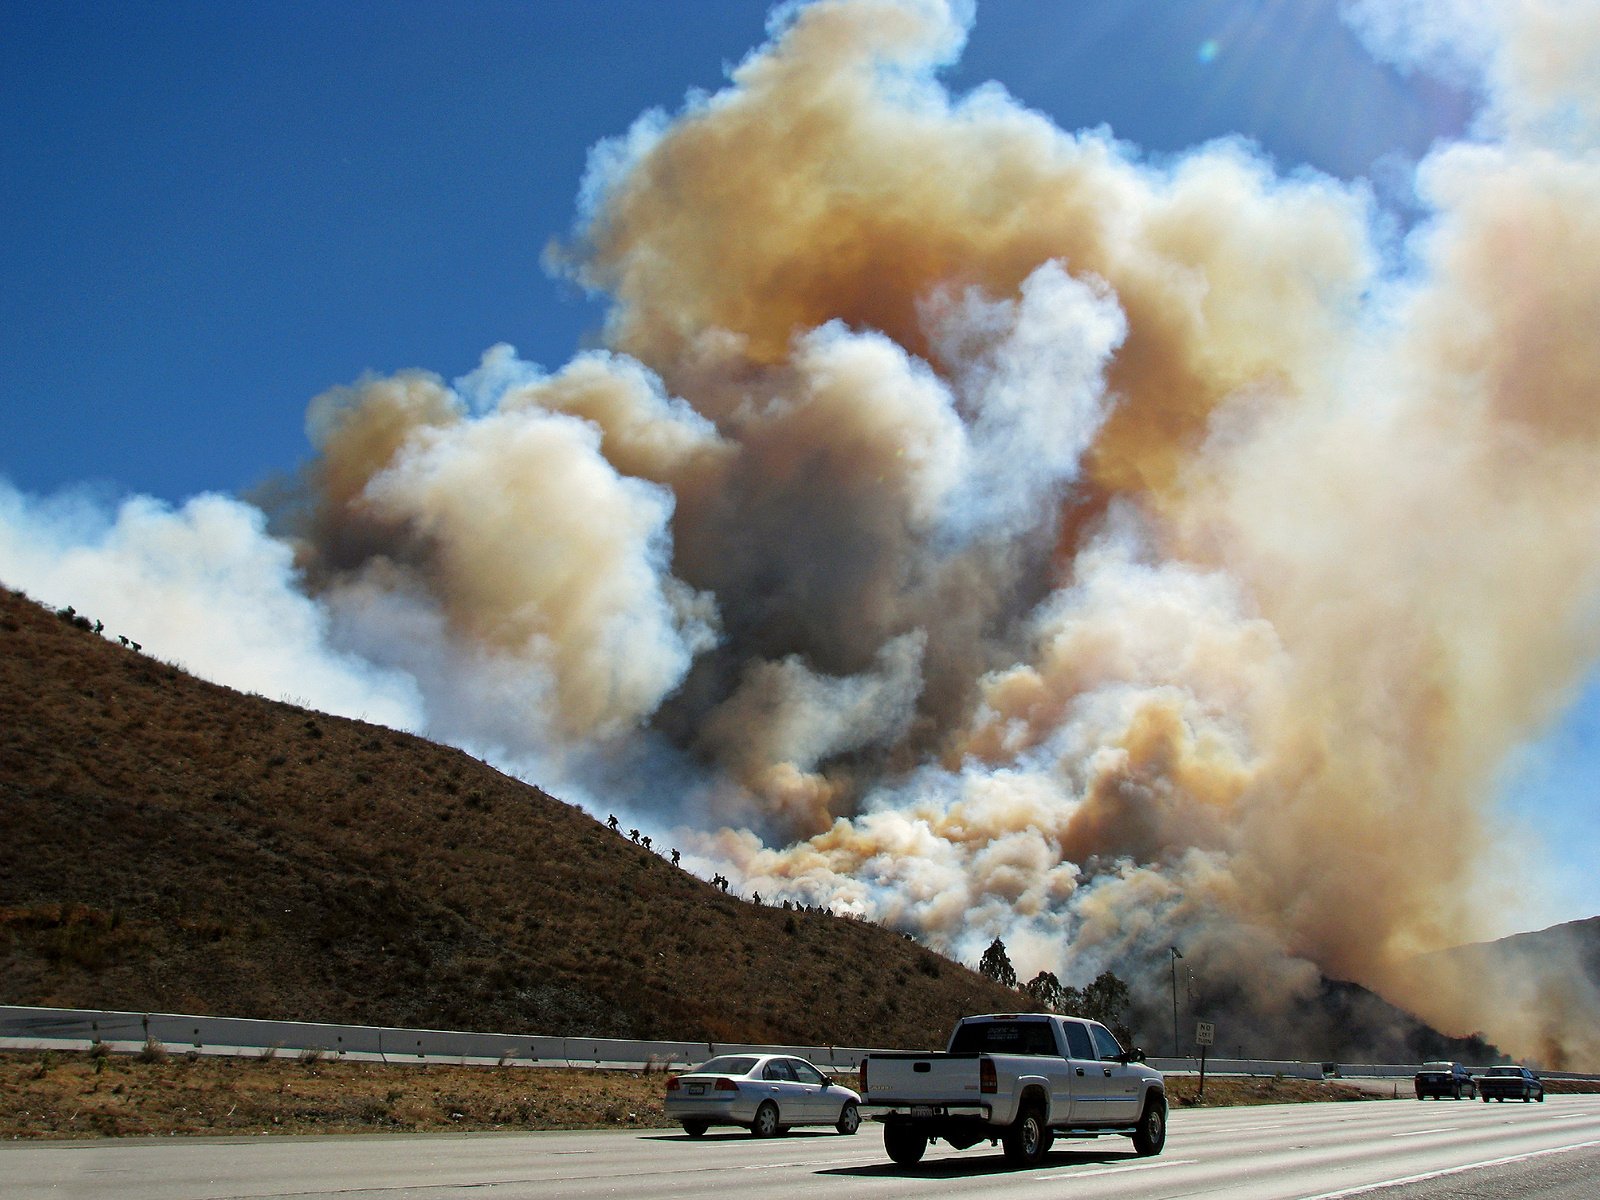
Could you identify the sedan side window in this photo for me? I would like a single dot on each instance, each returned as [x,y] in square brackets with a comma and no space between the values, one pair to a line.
[804,1072]
[778,1069]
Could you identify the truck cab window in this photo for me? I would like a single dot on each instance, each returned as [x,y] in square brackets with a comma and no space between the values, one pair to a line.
[1105,1043]
[1078,1043]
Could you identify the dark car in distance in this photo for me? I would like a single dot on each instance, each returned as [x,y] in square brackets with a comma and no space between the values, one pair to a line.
[1441,1079]
[1510,1083]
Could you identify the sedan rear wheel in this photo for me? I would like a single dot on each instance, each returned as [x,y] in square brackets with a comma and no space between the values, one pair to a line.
[695,1128]
[766,1123]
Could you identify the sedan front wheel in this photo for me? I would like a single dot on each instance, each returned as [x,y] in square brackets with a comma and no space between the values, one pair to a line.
[849,1118]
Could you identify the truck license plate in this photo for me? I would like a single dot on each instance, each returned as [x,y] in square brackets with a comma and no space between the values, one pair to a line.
[922,1110]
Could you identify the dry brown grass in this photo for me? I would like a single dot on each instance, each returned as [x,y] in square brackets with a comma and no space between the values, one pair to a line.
[171,845]
[1183,1091]
[57,1095]
[63,1095]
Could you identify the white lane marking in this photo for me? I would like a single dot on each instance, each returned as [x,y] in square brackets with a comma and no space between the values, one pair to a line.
[1168,1162]
[807,1162]
[1461,1170]
[1420,1132]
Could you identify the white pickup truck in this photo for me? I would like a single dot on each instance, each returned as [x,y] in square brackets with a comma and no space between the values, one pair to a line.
[1016,1078]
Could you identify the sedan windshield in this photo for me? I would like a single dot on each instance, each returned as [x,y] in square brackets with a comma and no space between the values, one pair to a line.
[726,1065]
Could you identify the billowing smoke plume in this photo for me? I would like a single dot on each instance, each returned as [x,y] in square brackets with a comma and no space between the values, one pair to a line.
[976,527]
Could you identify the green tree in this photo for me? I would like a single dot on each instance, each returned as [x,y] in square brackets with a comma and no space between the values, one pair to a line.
[1047,990]
[1105,1000]
[996,964]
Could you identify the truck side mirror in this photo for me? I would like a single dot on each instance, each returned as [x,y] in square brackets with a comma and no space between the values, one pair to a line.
[1132,1056]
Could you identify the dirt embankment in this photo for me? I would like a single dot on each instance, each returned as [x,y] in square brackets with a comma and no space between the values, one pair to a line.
[55,1095]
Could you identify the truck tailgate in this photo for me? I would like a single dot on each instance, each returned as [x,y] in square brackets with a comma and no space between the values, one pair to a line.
[922,1079]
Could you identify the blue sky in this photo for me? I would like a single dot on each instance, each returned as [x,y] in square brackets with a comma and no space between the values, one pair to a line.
[215,211]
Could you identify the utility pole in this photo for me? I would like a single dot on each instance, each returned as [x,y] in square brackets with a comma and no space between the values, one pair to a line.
[1176,955]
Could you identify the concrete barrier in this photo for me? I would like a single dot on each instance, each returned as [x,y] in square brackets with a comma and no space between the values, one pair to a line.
[1239,1066]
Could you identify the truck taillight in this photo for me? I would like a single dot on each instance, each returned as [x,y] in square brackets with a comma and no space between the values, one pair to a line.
[726,1085]
[986,1080]
[863,1081]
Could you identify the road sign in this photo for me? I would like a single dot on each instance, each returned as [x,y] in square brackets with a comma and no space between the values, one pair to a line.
[1205,1034]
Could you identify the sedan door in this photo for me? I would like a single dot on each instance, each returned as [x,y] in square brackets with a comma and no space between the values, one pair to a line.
[821,1107]
[780,1086]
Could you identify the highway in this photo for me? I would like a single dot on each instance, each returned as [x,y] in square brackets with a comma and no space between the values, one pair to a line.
[1393,1150]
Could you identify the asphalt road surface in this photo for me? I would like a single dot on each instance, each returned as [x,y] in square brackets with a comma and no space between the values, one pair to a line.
[1392,1150]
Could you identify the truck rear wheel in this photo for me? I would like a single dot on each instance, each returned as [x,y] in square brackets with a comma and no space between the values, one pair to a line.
[1025,1140]
[904,1144]
[1151,1133]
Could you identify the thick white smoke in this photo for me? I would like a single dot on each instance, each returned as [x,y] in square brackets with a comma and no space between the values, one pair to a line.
[202,586]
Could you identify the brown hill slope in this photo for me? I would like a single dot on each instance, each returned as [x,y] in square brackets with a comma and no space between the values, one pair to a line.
[167,844]
[1539,990]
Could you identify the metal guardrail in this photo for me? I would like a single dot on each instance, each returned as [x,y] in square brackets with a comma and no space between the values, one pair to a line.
[25,1028]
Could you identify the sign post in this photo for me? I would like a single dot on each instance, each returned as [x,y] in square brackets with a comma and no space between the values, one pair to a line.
[1205,1035]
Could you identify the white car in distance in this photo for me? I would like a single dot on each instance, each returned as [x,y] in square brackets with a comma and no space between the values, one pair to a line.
[764,1093]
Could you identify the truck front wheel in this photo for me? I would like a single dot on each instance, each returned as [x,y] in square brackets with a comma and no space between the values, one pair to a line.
[1151,1133]
[1026,1140]
[904,1144]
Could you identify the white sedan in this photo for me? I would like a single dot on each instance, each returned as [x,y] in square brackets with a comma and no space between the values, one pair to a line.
[765,1093]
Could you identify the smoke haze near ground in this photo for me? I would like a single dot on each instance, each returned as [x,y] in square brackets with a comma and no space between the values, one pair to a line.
[972,525]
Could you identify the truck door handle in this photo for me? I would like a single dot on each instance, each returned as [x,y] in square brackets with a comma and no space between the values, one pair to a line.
[1108,1072]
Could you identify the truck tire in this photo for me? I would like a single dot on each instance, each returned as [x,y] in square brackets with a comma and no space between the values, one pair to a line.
[849,1118]
[904,1144]
[1025,1139]
[1151,1133]
[766,1123]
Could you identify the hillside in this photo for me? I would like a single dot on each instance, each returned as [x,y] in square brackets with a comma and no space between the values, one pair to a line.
[1544,986]
[1574,945]
[174,845]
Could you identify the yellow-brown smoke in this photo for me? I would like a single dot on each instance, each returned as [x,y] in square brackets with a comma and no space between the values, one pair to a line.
[1016,537]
